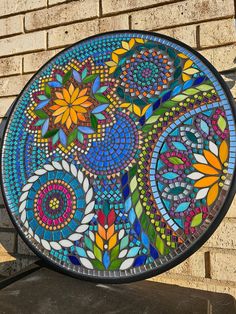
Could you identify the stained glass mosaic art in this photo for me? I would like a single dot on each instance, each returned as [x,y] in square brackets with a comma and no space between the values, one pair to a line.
[118,156]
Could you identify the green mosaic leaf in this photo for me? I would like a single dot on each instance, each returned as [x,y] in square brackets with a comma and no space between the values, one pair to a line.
[152,233]
[221,123]
[50,133]
[133,185]
[152,119]
[176,160]
[97,264]
[72,136]
[135,197]
[66,77]
[197,219]
[97,252]
[191,91]
[191,71]
[115,264]
[133,171]
[41,114]
[160,245]
[90,78]
[160,111]
[167,250]
[179,97]
[138,209]
[205,87]
[169,104]
[115,252]
[101,98]
[48,91]
[147,128]
[144,221]
[94,121]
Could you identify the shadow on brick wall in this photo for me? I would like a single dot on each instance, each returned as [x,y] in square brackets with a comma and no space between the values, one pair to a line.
[14,254]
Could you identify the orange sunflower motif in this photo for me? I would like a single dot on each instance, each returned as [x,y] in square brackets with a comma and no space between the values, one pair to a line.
[71,105]
[211,170]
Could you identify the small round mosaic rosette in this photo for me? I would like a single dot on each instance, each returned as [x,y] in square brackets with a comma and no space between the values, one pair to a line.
[118,156]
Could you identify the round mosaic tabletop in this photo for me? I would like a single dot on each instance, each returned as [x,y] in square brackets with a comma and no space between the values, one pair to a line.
[118,156]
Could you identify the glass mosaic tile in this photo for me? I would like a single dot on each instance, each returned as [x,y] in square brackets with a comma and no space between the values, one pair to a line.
[118,156]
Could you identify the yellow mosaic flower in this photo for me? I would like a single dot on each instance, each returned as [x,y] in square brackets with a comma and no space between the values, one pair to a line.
[211,169]
[70,105]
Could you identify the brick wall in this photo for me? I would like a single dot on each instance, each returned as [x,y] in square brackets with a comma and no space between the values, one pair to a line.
[32,31]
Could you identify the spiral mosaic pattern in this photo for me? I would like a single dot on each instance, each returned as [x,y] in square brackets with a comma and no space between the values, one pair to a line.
[118,157]
[146,73]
